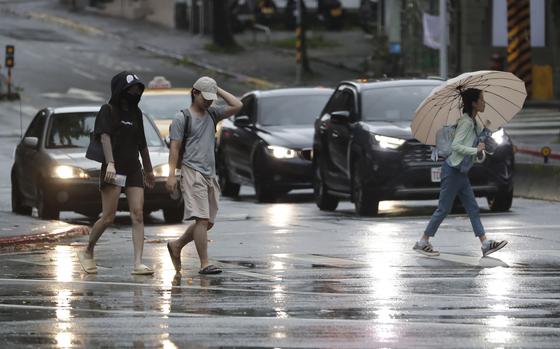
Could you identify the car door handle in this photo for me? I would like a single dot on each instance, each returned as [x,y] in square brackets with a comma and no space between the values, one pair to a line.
[335,134]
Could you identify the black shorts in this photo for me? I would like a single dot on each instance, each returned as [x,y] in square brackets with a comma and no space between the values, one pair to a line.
[134,179]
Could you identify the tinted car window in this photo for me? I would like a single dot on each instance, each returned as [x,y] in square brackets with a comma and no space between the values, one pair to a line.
[35,129]
[72,130]
[393,103]
[342,100]
[248,108]
[164,106]
[291,110]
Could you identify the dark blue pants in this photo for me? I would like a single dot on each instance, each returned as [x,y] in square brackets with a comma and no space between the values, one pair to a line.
[453,184]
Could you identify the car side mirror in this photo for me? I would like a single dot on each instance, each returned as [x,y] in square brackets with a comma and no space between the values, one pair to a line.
[340,117]
[242,121]
[31,142]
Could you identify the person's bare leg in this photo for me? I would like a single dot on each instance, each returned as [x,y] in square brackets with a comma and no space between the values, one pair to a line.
[135,196]
[175,246]
[109,201]
[200,234]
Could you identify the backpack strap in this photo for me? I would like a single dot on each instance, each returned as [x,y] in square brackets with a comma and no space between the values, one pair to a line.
[186,131]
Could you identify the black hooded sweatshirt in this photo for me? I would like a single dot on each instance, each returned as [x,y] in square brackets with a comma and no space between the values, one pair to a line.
[125,127]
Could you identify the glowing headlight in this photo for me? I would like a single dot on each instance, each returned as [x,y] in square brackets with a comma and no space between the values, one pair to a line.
[161,170]
[389,142]
[499,136]
[67,172]
[281,152]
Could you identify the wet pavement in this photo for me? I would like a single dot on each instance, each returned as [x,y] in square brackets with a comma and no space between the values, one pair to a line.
[296,277]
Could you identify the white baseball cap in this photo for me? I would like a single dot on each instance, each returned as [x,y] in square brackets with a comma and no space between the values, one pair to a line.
[208,87]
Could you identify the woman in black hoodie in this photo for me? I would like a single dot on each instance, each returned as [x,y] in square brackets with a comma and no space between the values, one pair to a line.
[120,129]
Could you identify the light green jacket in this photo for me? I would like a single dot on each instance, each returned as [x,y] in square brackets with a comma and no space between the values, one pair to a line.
[463,140]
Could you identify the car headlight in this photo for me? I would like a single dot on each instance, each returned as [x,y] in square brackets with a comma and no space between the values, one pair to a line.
[281,152]
[161,170]
[499,136]
[68,172]
[389,142]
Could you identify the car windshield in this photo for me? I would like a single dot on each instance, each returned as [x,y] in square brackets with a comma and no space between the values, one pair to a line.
[393,103]
[72,130]
[161,107]
[291,110]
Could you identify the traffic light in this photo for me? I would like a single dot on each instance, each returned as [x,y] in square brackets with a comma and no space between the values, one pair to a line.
[10,50]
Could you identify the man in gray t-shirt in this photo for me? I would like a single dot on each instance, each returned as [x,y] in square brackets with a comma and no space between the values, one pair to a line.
[199,185]
[199,147]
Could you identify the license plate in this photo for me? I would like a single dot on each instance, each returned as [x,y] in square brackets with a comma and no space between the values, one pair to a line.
[436,174]
[336,12]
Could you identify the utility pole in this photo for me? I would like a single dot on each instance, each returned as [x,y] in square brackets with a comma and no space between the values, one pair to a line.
[299,47]
[302,61]
[444,33]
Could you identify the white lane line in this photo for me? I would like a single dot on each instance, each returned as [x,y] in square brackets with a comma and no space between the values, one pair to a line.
[84,74]
[295,321]
[533,125]
[192,287]
[468,260]
[543,132]
[323,260]
[527,227]
[254,275]
[102,311]
[30,262]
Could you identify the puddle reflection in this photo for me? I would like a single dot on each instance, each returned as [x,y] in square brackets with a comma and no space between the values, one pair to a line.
[280,215]
[499,283]
[63,272]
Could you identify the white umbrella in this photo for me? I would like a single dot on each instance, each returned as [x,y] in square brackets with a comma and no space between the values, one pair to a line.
[504,94]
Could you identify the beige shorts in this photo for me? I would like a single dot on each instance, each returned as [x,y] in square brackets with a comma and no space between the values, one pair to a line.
[200,193]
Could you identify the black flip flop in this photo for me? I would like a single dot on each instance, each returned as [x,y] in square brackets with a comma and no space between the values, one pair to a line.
[210,270]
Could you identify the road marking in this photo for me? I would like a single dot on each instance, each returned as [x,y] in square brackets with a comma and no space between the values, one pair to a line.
[484,262]
[191,287]
[295,321]
[102,311]
[84,74]
[540,124]
[532,132]
[30,262]
[323,260]
[76,93]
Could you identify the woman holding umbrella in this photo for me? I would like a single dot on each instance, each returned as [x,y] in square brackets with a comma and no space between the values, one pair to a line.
[454,176]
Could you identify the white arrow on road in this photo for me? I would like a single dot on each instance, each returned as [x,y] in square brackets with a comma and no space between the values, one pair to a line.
[77,93]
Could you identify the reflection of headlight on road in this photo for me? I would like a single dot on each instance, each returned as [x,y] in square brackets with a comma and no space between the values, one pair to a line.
[161,170]
[67,172]
[281,152]
[499,136]
[389,142]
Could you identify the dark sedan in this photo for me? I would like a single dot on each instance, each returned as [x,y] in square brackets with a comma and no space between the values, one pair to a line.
[364,150]
[269,143]
[50,171]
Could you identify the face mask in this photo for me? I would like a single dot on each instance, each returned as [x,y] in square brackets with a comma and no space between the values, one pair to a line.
[132,99]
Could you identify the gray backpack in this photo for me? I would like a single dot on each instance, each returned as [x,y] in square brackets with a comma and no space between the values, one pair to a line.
[444,140]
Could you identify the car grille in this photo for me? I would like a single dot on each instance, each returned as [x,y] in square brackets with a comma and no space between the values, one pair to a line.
[417,153]
[306,154]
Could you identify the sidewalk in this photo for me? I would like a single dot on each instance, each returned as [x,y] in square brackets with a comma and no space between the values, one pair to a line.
[17,229]
[338,56]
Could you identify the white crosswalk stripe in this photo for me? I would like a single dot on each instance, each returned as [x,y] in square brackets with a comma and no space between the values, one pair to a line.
[535,122]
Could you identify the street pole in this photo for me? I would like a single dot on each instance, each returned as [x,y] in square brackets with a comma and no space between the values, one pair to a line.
[443,39]
[299,33]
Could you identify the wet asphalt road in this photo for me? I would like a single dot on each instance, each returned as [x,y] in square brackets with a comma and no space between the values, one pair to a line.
[297,277]
[293,276]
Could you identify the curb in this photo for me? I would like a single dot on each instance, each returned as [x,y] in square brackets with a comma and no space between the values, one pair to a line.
[66,23]
[258,83]
[45,236]
[536,181]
